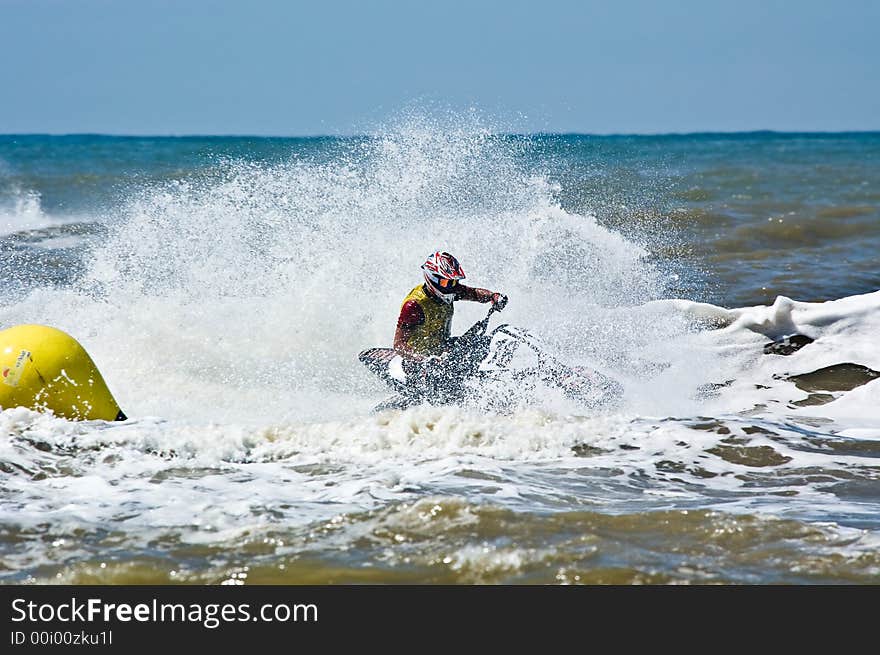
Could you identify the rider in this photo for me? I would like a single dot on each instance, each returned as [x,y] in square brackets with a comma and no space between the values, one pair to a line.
[425,322]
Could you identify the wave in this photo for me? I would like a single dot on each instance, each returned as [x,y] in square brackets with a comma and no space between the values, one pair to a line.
[743,464]
[21,212]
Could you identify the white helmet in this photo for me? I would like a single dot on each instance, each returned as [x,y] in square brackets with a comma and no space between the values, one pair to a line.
[442,273]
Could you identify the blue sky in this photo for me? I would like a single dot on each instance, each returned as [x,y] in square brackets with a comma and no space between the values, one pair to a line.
[273,67]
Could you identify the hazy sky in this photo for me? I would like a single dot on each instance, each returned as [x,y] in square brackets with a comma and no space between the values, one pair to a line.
[332,67]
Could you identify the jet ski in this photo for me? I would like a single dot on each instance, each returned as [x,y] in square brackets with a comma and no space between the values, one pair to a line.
[495,368]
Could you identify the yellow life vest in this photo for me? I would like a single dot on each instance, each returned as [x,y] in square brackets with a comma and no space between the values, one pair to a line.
[430,337]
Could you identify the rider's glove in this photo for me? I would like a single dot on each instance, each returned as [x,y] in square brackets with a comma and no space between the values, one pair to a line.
[499,300]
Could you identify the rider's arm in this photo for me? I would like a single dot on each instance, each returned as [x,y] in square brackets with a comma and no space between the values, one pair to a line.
[480,295]
[411,316]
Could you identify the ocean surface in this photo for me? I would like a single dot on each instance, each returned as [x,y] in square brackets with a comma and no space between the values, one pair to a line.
[224,287]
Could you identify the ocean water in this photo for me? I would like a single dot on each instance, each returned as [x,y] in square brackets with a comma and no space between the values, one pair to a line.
[224,287]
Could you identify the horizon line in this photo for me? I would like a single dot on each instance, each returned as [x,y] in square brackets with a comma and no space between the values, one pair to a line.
[542,133]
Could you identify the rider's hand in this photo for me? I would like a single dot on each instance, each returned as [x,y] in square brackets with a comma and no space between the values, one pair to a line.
[499,300]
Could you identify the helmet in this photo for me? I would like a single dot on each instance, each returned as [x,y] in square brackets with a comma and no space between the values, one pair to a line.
[442,273]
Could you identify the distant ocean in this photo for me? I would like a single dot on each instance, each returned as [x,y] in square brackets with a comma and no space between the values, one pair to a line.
[225,285]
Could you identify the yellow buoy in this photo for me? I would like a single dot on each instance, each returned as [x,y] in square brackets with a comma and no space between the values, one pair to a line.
[45,369]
